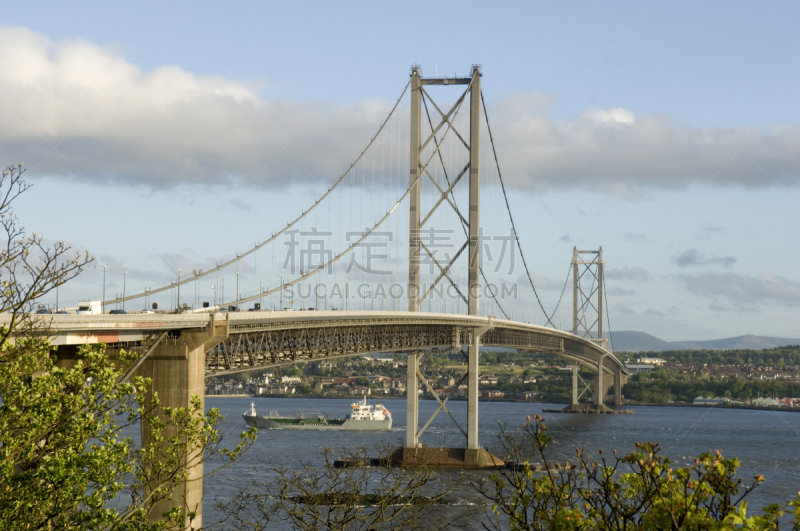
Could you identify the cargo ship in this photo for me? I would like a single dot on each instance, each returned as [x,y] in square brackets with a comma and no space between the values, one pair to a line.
[362,417]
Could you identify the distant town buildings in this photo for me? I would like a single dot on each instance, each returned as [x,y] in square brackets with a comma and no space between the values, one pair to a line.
[634,368]
[378,376]
[761,401]
[709,401]
[651,361]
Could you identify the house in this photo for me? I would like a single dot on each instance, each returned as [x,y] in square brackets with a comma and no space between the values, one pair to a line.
[708,401]
[639,367]
[651,361]
[766,402]
[492,394]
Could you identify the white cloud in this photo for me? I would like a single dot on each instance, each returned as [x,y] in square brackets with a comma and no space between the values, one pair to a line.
[743,289]
[693,257]
[616,153]
[169,125]
[161,127]
[610,116]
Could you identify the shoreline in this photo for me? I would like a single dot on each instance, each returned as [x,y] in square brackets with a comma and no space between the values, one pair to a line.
[720,406]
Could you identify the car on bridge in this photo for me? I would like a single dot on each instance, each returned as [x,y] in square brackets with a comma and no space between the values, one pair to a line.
[118,312]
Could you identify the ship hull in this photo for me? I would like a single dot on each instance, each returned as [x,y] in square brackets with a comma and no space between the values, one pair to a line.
[265,423]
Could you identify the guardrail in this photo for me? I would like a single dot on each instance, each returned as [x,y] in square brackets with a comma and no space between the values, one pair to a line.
[106,320]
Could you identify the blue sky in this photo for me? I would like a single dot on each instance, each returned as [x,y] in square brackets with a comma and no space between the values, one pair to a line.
[667,132]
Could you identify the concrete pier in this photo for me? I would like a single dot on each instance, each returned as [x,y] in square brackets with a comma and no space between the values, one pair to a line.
[177,368]
[445,457]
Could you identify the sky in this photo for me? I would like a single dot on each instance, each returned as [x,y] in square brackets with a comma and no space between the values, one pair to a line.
[173,135]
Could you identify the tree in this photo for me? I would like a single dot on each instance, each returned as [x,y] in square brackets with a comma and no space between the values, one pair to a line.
[637,491]
[29,268]
[64,462]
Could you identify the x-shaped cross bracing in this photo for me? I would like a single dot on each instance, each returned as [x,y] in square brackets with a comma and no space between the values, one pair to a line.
[442,403]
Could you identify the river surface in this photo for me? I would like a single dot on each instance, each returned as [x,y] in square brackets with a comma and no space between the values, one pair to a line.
[766,442]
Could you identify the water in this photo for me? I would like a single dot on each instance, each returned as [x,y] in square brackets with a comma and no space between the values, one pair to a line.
[764,441]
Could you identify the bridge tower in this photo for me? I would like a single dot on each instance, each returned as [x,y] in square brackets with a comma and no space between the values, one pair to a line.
[583,306]
[587,322]
[473,455]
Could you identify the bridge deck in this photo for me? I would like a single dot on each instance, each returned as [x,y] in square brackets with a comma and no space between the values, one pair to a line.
[267,338]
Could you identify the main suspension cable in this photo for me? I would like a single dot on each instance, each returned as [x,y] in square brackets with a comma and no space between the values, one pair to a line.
[363,237]
[275,235]
[510,216]
[563,290]
[608,318]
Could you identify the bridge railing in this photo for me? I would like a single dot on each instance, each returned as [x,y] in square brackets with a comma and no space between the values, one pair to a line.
[115,321]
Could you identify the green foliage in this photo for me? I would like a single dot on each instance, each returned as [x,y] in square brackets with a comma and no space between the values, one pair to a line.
[637,491]
[64,463]
[771,357]
[663,384]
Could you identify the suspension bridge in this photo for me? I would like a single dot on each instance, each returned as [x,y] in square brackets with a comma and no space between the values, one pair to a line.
[410,249]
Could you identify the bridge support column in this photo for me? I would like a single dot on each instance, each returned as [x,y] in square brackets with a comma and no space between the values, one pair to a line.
[599,388]
[412,384]
[618,383]
[472,390]
[474,265]
[177,368]
[414,201]
[575,369]
[412,401]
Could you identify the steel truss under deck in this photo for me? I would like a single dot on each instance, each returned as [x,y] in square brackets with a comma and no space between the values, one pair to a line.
[260,346]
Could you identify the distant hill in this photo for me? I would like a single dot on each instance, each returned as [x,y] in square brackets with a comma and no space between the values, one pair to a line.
[630,341]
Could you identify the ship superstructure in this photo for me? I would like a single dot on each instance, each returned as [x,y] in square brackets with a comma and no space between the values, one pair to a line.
[362,417]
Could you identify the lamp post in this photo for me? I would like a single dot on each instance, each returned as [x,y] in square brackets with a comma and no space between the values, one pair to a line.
[179,288]
[238,295]
[103,303]
[124,280]
[222,295]
[281,292]
[215,294]
[196,273]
